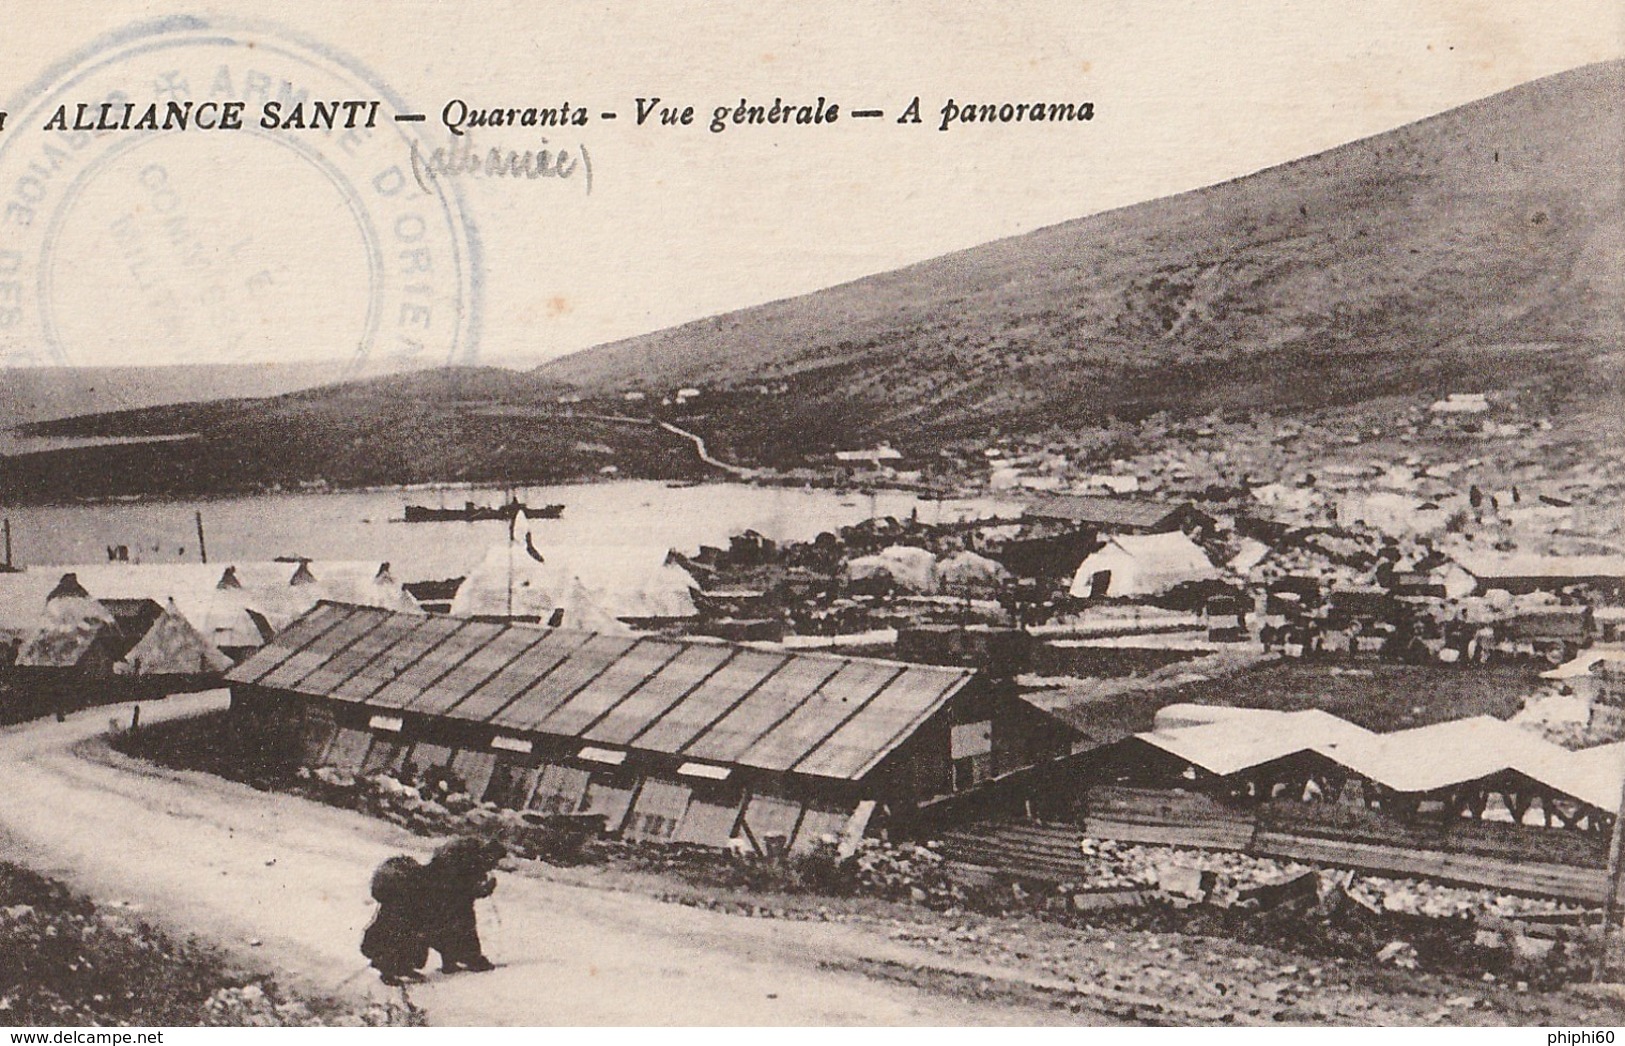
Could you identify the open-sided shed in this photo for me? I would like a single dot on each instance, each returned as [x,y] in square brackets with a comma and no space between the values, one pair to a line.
[1251,753]
[1461,765]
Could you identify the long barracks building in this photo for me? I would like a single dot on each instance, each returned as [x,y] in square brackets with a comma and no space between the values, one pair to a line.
[670,740]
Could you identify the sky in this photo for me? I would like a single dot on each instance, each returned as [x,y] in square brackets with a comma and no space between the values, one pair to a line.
[682,222]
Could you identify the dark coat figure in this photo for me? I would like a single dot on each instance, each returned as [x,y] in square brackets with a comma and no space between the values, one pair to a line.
[458,875]
[396,940]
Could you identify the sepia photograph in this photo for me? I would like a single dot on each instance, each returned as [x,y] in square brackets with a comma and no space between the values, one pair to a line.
[865,515]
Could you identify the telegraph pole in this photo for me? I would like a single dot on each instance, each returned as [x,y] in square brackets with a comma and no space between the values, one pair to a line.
[1610,907]
[202,549]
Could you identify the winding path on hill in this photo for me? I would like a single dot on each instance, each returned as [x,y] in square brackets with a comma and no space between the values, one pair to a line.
[695,438]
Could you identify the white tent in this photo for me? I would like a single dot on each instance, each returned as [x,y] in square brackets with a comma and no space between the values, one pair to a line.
[281,595]
[1141,565]
[173,647]
[594,587]
[364,584]
[912,568]
[511,583]
[967,569]
[1251,554]
[220,600]
[70,606]
[221,612]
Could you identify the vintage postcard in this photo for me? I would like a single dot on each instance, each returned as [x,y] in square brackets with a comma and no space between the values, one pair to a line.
[858,514]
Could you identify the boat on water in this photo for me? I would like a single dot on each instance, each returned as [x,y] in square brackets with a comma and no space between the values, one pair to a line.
[472,513]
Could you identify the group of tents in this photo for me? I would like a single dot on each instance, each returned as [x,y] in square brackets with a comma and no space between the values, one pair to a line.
[88,634]
[90,630]
[600,589]
[1125,566]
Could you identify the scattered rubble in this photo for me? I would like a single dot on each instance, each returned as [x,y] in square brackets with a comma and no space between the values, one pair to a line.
[1398,953]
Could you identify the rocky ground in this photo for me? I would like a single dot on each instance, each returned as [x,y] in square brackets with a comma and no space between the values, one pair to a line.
[1145,975]
[64,960]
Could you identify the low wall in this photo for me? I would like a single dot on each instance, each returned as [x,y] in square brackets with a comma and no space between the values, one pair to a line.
[1509,858]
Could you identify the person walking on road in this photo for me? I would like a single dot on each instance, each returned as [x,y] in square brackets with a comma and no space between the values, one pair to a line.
[458,875]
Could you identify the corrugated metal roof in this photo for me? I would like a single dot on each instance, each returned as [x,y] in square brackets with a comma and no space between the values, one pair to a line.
[658,693]
[610,687]
[427,654]
[320,650]
[286,644]
[813,714]
[377,670]
[801,731]
[584,664]
[434,681]
[520,673]
[683,723]
[900,707]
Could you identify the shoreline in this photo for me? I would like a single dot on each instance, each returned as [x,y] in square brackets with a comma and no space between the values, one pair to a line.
[763,481]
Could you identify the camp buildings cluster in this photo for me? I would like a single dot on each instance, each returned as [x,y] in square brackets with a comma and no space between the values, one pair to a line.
[721,744]
[686,697]
[670,733]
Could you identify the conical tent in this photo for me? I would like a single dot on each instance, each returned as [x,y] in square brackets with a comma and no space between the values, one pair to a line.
[221,613]
[281,592]
[69,606]
[364,584]
[172,647]
[632,582]
[72,627]
[592,587]
[64,644]
[510,582]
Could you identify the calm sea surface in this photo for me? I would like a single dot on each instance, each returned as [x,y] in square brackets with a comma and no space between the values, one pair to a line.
[369,525]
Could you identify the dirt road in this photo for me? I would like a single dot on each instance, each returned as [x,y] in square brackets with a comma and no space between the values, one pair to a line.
[281,883]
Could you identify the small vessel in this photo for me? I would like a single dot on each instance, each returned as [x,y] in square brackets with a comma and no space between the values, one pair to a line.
[472,513]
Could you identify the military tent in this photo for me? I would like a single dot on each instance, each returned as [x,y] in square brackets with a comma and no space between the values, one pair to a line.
[172,647]
[593,587]
[967,570]
[914,569]
[1141,565]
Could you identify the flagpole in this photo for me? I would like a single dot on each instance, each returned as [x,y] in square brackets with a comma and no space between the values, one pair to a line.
[513,522]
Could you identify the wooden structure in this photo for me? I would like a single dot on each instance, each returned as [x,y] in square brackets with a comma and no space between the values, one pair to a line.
[1050,851]
[1117,515]
[696,742]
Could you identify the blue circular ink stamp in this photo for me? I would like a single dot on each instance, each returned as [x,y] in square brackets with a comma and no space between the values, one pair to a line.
[290,238]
